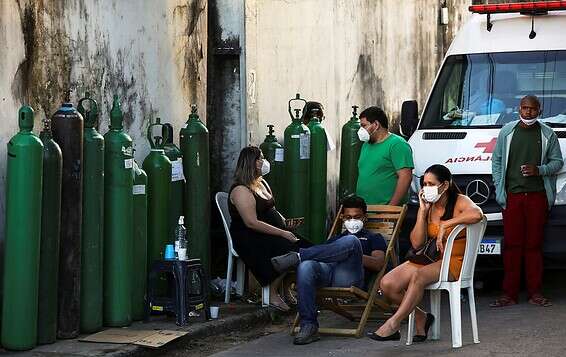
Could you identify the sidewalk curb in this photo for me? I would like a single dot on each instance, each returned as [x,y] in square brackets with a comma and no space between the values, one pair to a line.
[210,328]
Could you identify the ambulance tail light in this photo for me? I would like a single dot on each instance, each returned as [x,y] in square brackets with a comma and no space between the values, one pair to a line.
[526,7]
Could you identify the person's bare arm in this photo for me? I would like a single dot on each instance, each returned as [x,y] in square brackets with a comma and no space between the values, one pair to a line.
[419,232]
[404,177]
[374,262]
[465,212]
[244,201]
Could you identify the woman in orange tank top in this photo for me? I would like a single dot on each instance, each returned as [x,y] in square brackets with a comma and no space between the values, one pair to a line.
[442,207]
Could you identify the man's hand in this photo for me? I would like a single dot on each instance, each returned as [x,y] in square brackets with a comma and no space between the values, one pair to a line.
[529,170]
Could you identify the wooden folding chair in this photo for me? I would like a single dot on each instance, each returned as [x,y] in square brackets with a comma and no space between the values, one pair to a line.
[383,219]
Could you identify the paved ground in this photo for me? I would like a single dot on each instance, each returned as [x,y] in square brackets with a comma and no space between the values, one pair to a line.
[522,330]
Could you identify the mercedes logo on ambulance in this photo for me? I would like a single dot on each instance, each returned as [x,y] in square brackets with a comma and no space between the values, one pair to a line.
[478,191]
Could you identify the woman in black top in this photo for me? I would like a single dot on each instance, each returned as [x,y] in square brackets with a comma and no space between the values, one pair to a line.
[258,230]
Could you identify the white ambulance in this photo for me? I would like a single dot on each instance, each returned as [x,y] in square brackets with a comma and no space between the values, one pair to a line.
[503,53]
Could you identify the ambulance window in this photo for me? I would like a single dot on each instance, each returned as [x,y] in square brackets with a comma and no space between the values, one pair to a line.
[484,90]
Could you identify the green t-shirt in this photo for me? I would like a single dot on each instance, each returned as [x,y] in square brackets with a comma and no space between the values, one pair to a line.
[525,148]
[378,166]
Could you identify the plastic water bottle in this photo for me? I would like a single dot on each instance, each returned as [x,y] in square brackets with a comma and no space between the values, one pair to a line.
[181,239]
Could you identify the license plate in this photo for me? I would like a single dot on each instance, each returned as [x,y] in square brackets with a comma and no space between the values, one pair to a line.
[490,246]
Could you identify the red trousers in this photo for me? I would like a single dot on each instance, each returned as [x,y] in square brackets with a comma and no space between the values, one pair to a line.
[523,226]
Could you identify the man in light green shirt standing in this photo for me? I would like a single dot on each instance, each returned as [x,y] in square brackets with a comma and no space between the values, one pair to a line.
[385,166]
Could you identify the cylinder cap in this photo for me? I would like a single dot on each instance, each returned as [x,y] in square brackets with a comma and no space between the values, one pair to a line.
[116,116]
[90,115]
[25,118]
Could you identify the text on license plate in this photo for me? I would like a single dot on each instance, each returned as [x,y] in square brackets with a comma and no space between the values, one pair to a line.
[490,246]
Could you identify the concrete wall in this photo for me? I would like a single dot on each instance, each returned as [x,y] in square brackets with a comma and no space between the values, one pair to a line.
[151,53]
[341,53]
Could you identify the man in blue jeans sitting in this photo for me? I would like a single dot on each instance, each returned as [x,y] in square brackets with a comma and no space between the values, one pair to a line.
[340,262]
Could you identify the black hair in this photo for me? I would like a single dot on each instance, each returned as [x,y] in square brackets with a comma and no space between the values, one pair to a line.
[443,174]
[308,111]
[373,114]
[355,202]
[531,98]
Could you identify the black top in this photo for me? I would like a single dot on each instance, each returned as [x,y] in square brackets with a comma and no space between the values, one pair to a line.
[265,211]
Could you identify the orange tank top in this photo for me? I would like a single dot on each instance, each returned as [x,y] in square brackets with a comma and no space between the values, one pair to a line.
[458,248]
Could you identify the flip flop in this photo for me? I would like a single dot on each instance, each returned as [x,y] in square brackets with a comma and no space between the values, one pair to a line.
[503,301]
[539,300]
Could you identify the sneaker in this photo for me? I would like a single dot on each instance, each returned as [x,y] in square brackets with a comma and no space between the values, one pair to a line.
[285,262]
[307,334]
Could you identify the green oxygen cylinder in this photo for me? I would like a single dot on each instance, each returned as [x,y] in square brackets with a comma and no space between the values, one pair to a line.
[196,166]
[350,147]
[158,169]
[296,168]
[118,222]
[50,230]
[177,178]
[140,243]
[317,185]
[23,231]
[93,219]
[273,152]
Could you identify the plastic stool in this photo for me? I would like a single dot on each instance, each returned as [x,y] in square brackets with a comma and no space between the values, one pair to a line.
[191,289]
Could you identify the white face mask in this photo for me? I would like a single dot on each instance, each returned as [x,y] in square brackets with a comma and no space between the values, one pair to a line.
[529,121]
[363,134]
[265,167]
[430,194]
[354,225]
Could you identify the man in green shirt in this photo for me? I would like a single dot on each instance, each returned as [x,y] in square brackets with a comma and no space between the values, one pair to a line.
[386,164]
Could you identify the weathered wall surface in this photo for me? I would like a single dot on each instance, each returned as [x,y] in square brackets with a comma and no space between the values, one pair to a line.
[151,53]
[341,53]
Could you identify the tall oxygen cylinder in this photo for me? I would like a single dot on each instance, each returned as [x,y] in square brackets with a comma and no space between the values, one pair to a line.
[273,152]
[317,184]
[296,168]
[50,232]
[118,222]
[140,243]
[177,177]
[196,166]
[23,231]
[67,127]
[158,169]
[350,147]
[93,219]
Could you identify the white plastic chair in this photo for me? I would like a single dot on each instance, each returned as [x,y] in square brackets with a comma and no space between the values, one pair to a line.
[474,234]
[221,199]
[222,203]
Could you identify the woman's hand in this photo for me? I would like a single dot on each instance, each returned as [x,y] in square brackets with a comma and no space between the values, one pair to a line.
[440,238]
[424,205]
[290,236]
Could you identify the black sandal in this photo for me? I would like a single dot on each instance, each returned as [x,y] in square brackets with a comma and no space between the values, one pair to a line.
[428,323]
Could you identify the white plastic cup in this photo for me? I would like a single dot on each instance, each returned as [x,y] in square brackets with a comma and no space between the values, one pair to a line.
[182,253]
[214,312]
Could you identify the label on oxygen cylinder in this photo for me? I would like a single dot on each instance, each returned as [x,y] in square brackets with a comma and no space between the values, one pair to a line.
[128,163]
[177,170]
[138,189]
[279,155]
[305,146]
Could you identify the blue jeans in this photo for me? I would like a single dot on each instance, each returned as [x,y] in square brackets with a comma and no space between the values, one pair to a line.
[337,264]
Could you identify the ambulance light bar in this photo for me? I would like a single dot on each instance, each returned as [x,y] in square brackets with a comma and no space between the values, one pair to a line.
[525,7]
